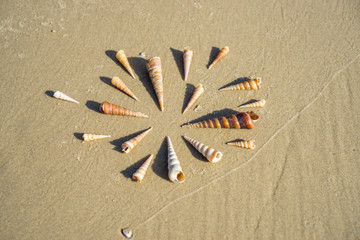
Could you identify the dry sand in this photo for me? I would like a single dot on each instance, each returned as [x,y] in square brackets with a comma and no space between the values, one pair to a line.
[302,180]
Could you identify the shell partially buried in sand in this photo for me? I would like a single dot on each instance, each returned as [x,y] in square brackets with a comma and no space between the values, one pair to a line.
[63,96]
[244,144]
[140,173]
[259,103]
[188,54]
[113,109]
[198,91]
[175,173]
[91,137]
[223,52]
[211,154]
[120,55]
[121,85]
[252,84]
[153,66]
[127,146]
[127,233]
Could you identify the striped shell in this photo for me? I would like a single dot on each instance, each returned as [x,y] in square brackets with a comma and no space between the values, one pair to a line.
[127,146]
[259,103]
[64,97]
[121,85]
[198,91]
[223,52]
[175,171]
[244,144]
[140,173]
[120,55]
[252,84]
[211,154]
[240,120]
[113,109]
[187,61]
[153,65]
[90,137]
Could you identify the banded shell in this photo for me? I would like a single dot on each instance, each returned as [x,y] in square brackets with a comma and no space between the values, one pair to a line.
[120,55]
[175,171]
[244,144]
[127,146]
[240,120]
[63,96]
[91,137]
[121,85]
[259,103]
[127,233]
[140,173]
[113,109]
[252,84]
[153,65]
[198,91]
[187,61]
[211,154]
[223,52]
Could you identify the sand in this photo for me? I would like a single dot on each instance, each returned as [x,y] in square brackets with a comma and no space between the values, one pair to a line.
[301,181]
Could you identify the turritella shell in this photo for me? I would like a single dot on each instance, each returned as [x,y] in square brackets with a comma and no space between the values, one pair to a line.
[198,91]
[223,52]
[140,173]
[252,84]
[90,137]
[240,120]
[187,62]
[121,85]
[120,55]
[259,103]
[211,154]
[153,65]
[245,144]
[63,96]
[113,109]
[127,146]
[175,171]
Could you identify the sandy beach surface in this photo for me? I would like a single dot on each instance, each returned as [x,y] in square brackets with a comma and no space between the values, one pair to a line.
[301,181]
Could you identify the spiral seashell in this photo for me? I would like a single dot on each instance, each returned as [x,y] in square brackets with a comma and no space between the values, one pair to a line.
[240,120]
[198,91]
[127,146]
[90,137]
[153,65]
[120,55]
[211,154]
[121,85]
[113,109]
[247,85]
[63,96]
[175,171]
[187,61]
[140,173]
[259,103]
[223,52]
[127,233]
[245,144]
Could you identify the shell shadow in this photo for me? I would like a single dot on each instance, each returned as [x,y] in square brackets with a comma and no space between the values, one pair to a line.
[160,162]
[79,136]
[190,88]
[50,93]
[106,80]
[117,142]
[178,57]
[214,52]
[93,105]
[194,152]
[215,114]
[236,140]
[128,172]
[248,102]
[237,81]
[112,55]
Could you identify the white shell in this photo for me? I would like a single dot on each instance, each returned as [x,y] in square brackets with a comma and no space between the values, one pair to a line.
[175,171]
[90,137]
[127,233]
[63,96]
[211,154]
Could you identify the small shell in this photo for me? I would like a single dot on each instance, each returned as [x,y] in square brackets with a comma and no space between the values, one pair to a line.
[252,84]
[90,137]
[223,52]
[127,233]
[211,154]
[153,65]
[187,61]
[121,85]
[127,146]
[63,96]
[113,109]
[244,144]
[120,55]
[259,103]
[140,173]
[175,171]
[198,91]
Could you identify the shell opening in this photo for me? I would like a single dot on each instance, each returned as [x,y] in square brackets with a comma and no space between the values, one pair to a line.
[253,116]
[180,177]
[125,149]
[217,157]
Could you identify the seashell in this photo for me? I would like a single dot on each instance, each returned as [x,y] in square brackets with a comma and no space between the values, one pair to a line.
[121,85]
[211,154]
[259,103]
[187,61]
[223,52]
[153,65]
[63,96]
[90,137]
[127,146]
[175,171]
[247,85]
[127,233]
[245,144]
[240,120]
[120,55]
[140,173]
[198,91]
[113,109]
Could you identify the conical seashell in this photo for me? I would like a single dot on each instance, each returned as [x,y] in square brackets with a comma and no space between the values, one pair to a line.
[121,85]
[198,91]
[90,137]
[63,96]
[187,61]
[223,52]
[113,109]
[245,144]
[127,146]
[140,173]
[259,103]
[120,55]
[127,233]
[211,154]
[240,120]
[247,85]
[153,65]
[175,171]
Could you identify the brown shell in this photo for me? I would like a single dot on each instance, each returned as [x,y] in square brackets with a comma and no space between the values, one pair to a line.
[198,91]
[252,84]
[127,146]
[259,103]
[120,55]
[140,173]
[223,52]
[113,109]
[244,144]
[240,120]
[153,65]
[116,81]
